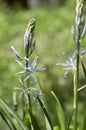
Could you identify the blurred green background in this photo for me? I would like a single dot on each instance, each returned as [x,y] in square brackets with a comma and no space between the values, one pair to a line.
[53,37]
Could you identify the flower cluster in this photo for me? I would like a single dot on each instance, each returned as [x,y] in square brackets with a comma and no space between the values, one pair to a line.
[29,69]
[29,44]
[80,30]
[70,63]
[25,91]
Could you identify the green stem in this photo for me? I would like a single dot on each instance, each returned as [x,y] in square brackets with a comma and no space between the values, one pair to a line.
[23,105]
[76,83]
[23,108]
[30,107]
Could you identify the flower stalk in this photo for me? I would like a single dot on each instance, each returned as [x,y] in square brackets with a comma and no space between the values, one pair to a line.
[29,71]
[73,63]
[76,86]
[28,48]
[80,26]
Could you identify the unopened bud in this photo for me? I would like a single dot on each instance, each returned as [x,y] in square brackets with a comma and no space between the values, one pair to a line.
[28,36]
[73,32]
[84,31]
[15,101]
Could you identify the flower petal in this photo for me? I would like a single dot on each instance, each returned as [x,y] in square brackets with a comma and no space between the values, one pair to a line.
[39,69]
[21,72]
[16,53]
[27,77]
[63,64]
[34,61]
[21,64]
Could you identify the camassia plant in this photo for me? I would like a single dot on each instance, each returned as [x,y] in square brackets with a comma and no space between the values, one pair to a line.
[26,93]
[73,63]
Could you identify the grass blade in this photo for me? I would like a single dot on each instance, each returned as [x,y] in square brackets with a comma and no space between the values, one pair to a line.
[60,112]
[34,121]
[84,120]
[7,120]
[45,113]
[6,108]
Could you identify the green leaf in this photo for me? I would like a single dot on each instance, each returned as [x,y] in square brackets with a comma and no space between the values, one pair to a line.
[27,121]
[84,69]
[5,107]
[7,120]
[57,128]
[48,127]
[45,113]
[34,121]
[84,120]
[69,127]
[59,112]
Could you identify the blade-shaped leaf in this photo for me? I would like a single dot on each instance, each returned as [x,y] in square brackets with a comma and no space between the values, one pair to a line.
[45,113]
[59,112]
[48,127]
[6,108]
[7,120]
[34,121]
[69,121]
[84,120]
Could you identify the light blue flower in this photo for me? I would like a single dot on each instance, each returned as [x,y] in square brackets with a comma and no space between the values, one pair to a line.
[70,63]
[30,70]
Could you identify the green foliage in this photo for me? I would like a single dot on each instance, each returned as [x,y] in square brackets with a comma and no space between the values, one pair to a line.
[53,26]
[49,22]
[4,108]
[35,124]
[83,127]
[48,120]
[60,113]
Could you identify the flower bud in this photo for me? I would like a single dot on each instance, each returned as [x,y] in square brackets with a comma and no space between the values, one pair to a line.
[15,101]
[73,32]
[84,31]
[28,36]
